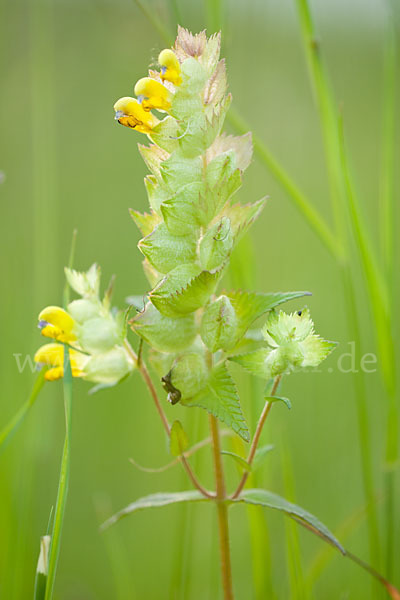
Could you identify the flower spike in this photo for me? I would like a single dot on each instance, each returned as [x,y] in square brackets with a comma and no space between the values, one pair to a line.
[153,94]
[56,323]
[129,112]
[170,67]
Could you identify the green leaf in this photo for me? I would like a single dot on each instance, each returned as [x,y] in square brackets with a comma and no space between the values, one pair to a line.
[242,462]
[164,333]
[178,441]
[217,196]
[303,517]
[166,251]
[155,501]
[279,399]
[216,245]
[260,455]
[153,156]
[145,222]
[315,349]
[181,211]
[249,306]
[165,134]
[220,168]
[242,216]
[264,363]
[195,138]
[242,145]
[219,324]
[178,170]
[185,289]
[156,193]
[220,398]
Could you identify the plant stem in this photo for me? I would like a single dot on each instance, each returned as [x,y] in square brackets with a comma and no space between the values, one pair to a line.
[153,392]
[182,458]
[222,508]
[147,379]
[256,438]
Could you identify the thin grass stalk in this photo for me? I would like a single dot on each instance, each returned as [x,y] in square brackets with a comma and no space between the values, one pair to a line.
[388,148]
[375,282]
[392,413]
[41,569]
[63,481]
[9,430]
[298,198]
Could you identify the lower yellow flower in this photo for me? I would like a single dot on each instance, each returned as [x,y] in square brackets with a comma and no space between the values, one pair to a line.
[129,112]
[153,94]
[56,323]
[52,356]
[170,67]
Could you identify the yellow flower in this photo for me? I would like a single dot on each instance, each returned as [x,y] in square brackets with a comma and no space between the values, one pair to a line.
[152,94]
[170,67]
[56,323]
[52,356]
[129,112]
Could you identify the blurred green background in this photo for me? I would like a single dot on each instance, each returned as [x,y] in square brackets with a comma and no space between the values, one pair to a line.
[67,164]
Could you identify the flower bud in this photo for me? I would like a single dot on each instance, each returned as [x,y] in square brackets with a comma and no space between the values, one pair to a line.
[82,310]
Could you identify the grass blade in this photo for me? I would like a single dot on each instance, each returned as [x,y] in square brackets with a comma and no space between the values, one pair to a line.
[300,201]
[343,200]
[41,570]
[63,481]
[9,430]
[388,147]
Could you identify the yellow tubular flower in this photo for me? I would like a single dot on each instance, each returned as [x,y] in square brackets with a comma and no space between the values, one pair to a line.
[52,356]
[56,323]
[170,67]
[129,112]
[152,94]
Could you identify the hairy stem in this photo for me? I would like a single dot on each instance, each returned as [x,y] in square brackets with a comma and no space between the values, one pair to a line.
[256,438]
[222,508]
[153,392]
